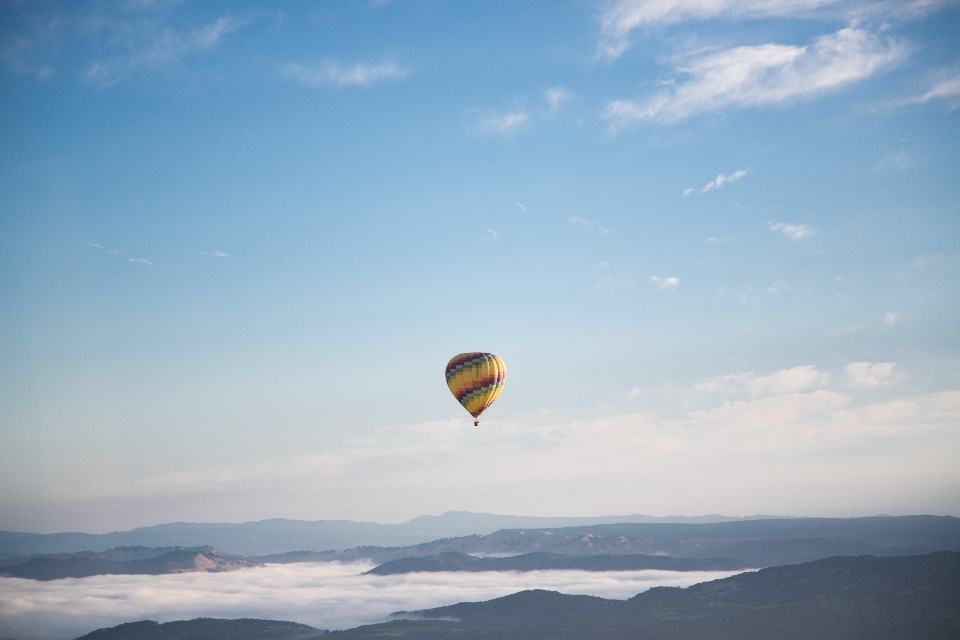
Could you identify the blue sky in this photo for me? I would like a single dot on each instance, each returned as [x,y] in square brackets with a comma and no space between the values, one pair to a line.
[716,244]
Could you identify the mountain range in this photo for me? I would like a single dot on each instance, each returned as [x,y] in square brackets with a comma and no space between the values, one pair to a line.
[280,535]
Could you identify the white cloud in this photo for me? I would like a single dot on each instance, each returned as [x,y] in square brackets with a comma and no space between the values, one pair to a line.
[687,192]
[556,96]
[768,74]
[722,180]
[107,40]
[504,125]
[520,206]
[624,16]
[493,235]
[210,35]
[588,224]
[890,317]
[866,375]
[777,288]
[331,73]
[779,382]
[666,283]
[323,595]
[948,88]
[899,160]
[792,231]
[141,261]
[215,254]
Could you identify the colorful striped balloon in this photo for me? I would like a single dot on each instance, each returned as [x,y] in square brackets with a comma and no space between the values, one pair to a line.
[476,379]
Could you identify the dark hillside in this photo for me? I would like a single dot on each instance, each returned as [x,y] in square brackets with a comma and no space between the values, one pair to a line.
[206,629]
[841,598]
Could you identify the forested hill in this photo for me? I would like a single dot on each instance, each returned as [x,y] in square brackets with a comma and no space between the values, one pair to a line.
[840,598]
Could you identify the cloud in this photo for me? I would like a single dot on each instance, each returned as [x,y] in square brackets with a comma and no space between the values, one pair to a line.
[209,36]
[687,192]
[779,382]
[865,375]
[945,89]
[504,125]
[588,224]
[215,254]
[666,283]
[141,261]
[899,160]
[556,96]
[107,40]
[722,180]
[520,206]
[890,317]
[324,595]
[624,16]
[151,43]
[792,231]
[493,235]
[777,288]
[331,73]
[768,74]
[294,470]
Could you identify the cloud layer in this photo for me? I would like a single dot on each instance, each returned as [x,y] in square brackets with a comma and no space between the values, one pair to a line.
[326,596]
[767,74]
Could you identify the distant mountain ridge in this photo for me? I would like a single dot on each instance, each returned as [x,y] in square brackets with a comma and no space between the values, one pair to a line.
[540,561]
[123,560]
[279,535]
[751,543]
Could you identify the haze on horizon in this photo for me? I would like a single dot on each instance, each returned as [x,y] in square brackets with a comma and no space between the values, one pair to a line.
[716,245]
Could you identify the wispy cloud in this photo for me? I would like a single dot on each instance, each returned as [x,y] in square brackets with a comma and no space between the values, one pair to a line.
[769,74]
[331,73]
[945,89]
[792,231]
[520,206]
[141,261]
[106,41]
[890,317]
[899,160]
[588,224]
[666,283]
[556,96]
[215,254]
[949,88]
[779,382]
[722,180]
[155,44]
[866,375]
[622,17]
[505,124]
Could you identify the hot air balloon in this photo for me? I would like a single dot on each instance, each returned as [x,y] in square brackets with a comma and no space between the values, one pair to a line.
[476,379]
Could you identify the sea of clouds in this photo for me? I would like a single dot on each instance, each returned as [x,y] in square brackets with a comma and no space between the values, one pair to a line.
[324,595]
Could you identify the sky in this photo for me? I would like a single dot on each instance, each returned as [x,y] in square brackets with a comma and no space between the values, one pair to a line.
[715,243]
[323,595]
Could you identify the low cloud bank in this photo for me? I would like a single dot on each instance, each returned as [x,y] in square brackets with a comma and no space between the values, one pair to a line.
[326,596]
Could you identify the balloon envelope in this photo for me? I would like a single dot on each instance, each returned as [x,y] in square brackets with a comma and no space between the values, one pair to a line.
[476,379]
